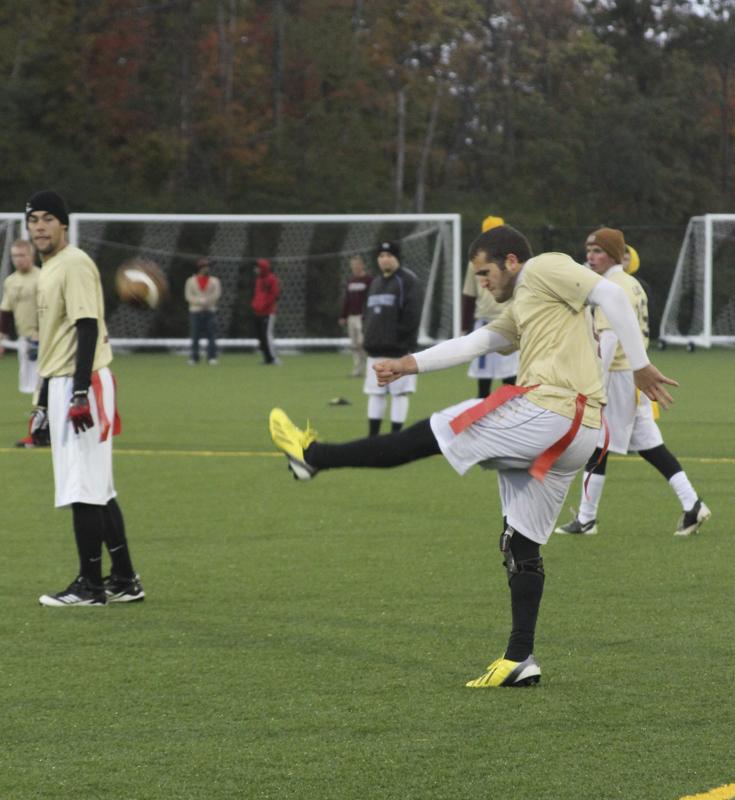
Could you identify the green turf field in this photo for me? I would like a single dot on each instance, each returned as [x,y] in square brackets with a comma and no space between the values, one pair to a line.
[313,640]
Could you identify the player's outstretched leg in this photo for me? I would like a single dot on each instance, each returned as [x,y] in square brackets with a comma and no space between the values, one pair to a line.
[306,456]
[525,568]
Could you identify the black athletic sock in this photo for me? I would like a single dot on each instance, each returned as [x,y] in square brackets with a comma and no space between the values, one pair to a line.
[663,459]
[483,387]
[395,427]
[526,590]
[374,427]
[510,381]
[392,450]
[116,541]
[88,526]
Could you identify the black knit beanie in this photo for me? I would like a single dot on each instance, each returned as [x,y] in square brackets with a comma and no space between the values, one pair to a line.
[50,202]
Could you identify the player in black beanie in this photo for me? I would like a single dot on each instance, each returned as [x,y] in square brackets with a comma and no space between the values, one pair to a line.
[49,201]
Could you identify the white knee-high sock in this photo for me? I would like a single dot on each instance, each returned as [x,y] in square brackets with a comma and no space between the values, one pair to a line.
[376,406]
[684,490]
[399,408]
[590,502]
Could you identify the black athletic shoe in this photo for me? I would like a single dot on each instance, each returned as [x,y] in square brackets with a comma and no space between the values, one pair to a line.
[691,521]
[123,590]
[80,592]
[580,528]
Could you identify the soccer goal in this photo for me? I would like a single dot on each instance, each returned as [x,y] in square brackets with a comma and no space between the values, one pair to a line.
[700,308]
[309,253]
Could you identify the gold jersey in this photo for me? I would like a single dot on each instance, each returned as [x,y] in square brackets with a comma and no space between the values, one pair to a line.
[637,298]
[486,306]
[69,289]
[547,320]
[19,298]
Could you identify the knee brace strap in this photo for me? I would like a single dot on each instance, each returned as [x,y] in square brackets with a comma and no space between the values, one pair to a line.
[511,564]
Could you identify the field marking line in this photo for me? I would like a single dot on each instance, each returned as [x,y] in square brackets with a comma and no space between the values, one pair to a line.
[196,453]
[726,792]
[264,454]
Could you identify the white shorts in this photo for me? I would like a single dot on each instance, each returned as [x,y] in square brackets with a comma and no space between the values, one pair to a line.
[82,464]
[492,365]
[631,424]
[27,369]
[509,440]
[404,385]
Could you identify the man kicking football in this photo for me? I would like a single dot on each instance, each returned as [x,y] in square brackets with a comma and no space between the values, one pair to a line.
[537,435]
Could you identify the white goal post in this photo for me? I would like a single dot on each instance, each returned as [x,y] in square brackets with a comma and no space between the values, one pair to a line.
[700,307]
[309,253]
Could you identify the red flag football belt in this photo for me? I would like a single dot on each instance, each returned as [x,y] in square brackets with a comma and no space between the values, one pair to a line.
[104,421]
[545,461]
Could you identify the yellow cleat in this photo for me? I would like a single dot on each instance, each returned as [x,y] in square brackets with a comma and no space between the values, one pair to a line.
[292,441]
[503,672]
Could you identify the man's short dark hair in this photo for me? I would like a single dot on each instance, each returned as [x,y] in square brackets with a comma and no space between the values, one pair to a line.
[499,242]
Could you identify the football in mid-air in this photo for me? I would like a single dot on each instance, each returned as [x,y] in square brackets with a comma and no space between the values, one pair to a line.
[141,282]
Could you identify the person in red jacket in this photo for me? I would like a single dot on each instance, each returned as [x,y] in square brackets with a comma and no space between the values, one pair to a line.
[265,296]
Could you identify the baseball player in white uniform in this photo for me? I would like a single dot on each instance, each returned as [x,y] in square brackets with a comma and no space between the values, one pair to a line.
[537,435]
[77,403]
[629,414]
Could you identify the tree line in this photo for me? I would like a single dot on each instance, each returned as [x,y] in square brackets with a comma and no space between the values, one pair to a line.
[557,114]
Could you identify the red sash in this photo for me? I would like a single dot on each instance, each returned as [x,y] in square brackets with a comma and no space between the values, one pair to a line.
[101,413]
[545,461]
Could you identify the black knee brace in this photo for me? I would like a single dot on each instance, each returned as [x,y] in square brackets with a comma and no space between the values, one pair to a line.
[520,554]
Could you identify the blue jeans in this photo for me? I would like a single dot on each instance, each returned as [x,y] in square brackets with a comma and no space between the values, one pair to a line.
[203,324]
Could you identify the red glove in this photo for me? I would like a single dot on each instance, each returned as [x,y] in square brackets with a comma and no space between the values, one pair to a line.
[38,427]
[80,414]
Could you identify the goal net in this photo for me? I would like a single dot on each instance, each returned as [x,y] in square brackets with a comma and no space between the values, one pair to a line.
[309,254]
[700,308]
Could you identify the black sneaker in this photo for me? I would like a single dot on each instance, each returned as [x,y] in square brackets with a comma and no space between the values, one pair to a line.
[80,592]
[123,590]
[575,526]
[691,521]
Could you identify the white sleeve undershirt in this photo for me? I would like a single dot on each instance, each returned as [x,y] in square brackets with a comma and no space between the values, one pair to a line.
[460,350]
[608,346]
[617,309]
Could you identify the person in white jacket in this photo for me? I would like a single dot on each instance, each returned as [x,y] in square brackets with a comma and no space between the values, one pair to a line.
[202,292]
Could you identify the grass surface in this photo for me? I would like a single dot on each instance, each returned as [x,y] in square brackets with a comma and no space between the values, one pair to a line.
[313,640]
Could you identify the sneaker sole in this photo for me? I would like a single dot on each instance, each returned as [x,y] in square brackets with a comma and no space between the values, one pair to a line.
[300,470]
[52,602]
[702,517]
[591,532]
[125,598]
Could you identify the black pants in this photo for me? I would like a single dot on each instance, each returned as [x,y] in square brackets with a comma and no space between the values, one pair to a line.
[392,450]
[264,328]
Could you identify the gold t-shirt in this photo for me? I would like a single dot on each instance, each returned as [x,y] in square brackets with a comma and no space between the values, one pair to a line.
[69,289]
[486,306]
[637,298]
[547,320]
[19,297]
